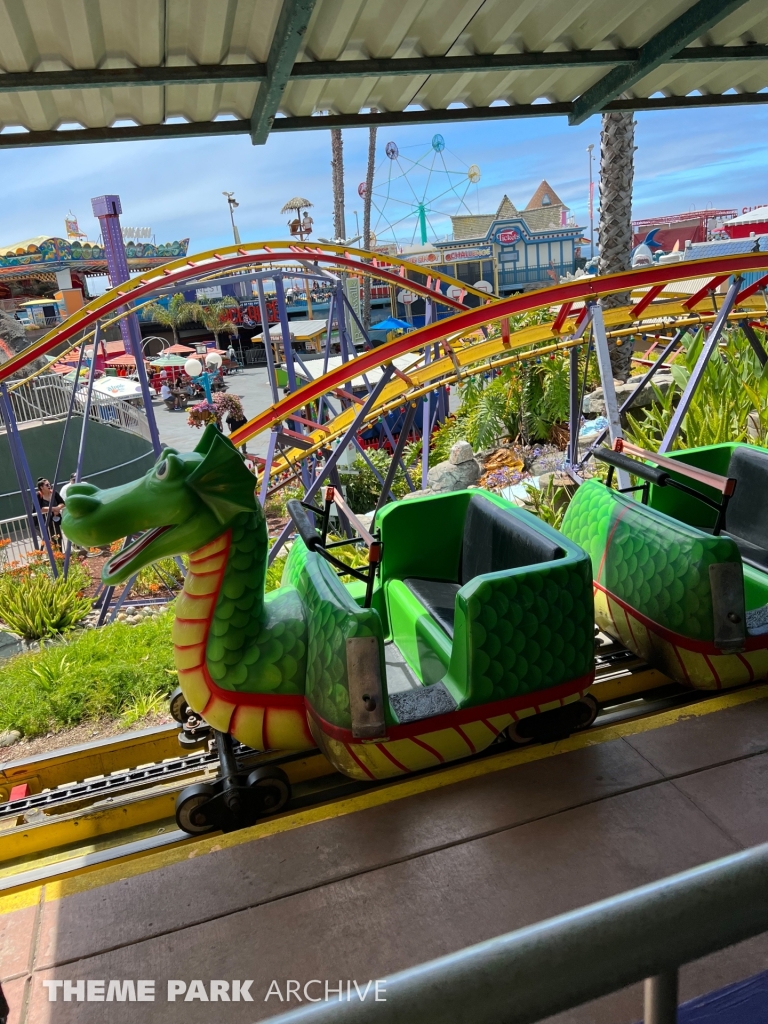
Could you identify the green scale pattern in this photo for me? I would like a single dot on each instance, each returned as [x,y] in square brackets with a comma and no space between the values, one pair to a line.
[255,644]
[332,617]
[655,564]
[528,631]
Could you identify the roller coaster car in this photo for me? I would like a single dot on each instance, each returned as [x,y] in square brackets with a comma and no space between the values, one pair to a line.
[681,577]
[481,623]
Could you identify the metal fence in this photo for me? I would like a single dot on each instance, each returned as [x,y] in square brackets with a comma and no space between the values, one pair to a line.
[16,544]
[533,275]
[47,398]
[531,974]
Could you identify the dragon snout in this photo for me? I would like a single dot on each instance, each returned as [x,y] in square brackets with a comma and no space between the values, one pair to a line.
[82,500]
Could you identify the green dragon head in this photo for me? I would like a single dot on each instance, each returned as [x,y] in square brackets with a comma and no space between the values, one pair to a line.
[185,501]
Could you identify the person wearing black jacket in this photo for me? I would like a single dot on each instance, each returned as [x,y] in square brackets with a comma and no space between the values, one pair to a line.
[51,506]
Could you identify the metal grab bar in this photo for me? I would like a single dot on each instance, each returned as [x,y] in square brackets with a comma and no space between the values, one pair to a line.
[528,975]
[725,484]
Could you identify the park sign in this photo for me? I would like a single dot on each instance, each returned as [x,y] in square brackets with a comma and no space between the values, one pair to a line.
[424,258]
[508,236]
[467,253]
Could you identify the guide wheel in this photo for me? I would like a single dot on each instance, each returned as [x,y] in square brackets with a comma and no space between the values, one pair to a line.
[194,806]
[270,789]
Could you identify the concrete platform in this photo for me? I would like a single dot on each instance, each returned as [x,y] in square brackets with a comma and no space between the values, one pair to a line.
[401,874]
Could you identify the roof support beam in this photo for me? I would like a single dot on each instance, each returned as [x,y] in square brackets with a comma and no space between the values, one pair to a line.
[219,74]
[683,30]
[199,129]
[291,26]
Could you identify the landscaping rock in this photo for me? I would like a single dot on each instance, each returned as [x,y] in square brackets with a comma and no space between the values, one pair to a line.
[7,739]
[455,476]
[594,403]
[461,453]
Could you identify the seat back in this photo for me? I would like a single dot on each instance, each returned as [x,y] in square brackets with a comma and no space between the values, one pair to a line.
[495,540]
[747,513]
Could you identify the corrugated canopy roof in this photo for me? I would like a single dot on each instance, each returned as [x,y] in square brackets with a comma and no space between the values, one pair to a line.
[91,70]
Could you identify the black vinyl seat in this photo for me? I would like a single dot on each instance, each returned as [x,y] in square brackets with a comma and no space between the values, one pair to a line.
[439,598]
[493,540]
[746,518]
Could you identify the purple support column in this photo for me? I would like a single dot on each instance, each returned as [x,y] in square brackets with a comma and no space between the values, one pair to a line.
[108,209]
[425,430]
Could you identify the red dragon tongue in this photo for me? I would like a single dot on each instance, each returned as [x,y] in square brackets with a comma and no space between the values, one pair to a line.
[123,557]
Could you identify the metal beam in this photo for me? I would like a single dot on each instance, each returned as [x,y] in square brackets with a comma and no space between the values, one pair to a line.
[692,24]
[201,129]
[222,74]
[291,26]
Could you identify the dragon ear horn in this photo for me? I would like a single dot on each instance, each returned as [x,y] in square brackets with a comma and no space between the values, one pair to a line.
[221,480]
[210,433]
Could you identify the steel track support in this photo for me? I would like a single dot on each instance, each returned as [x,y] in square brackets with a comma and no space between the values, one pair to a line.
[606,379]
[265,333]
[333,460]
[647,377]
[698,371]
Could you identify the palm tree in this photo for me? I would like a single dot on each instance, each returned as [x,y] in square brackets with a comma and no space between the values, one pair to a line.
[617,168]
[177,312]
[337,168]
[211,316]
[367,222]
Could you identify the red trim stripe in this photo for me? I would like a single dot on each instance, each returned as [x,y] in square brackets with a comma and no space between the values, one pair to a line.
[752,643]
[748,667]
[358,762]
[713,670]
[466,739]
[383,748]
[451,719]
[430,750]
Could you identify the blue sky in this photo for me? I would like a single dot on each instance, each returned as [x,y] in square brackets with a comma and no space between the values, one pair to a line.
[684,160]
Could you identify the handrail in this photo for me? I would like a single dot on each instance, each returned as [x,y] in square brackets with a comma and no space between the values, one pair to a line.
[47,398]
[724,484]
[528,975]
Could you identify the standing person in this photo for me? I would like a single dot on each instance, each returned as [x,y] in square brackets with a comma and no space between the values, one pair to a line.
[51,506]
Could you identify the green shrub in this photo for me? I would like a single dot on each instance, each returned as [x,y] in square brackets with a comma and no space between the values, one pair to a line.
[99,673]
[731,398]
[362,485]
[36,606]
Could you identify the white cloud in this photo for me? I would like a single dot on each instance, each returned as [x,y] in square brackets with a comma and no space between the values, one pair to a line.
[684,159]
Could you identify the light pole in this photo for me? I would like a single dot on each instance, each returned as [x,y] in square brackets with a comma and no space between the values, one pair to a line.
[233,204]
[590,147]
[194,369]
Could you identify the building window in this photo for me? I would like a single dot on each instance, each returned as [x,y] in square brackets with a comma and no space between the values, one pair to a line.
[545,200]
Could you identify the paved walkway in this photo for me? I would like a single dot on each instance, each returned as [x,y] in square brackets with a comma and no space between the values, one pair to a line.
[250,385]
[399,874]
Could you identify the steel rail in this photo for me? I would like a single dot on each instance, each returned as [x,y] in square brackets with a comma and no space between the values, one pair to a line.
[187,268]
[580,289]
[533,973]
[447,374]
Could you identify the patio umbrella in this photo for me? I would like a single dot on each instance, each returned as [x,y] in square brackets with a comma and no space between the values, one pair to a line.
[167,361]
[176,349]
[117,387]
[122,361]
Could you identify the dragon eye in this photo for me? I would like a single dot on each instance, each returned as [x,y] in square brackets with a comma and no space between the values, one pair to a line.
[162,470]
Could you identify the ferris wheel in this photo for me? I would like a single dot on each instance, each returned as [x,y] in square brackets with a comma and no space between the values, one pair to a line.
[413,198]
